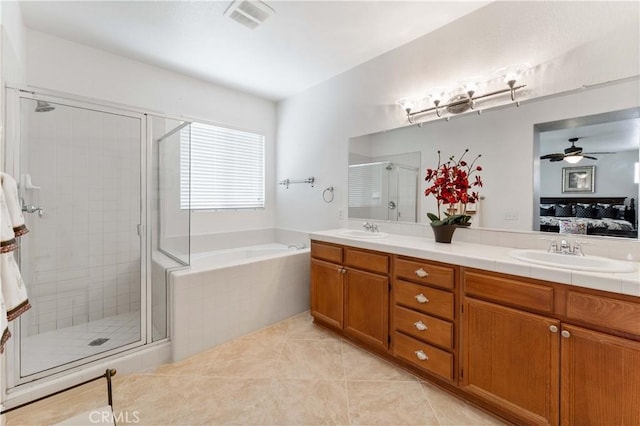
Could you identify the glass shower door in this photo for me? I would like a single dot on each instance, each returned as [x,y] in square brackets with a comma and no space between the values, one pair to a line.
[80,182]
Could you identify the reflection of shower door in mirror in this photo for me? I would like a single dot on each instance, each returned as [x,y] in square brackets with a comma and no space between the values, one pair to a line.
[402,184]
[406,209]
[81,261]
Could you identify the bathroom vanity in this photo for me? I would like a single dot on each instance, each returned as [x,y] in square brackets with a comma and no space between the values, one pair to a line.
[532,351]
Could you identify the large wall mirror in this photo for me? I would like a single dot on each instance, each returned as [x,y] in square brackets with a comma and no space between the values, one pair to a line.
[589,174]
[512,140]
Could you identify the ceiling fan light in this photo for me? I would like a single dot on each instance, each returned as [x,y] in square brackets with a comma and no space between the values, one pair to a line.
[573,159]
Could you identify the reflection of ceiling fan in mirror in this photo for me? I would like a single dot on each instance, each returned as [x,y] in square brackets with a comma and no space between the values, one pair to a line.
[572,155]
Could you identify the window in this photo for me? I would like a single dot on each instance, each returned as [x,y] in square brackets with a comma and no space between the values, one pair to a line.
[226,170]
[365,183]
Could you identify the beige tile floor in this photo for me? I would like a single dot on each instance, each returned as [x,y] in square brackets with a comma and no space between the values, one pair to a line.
[293,372]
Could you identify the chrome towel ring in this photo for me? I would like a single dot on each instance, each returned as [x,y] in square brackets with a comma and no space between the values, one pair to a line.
[328,198]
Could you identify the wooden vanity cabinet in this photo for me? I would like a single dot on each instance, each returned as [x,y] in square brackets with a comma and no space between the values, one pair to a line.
[531,351]
[423,312]
[510,360]
[350,292]
[327,284]
[521,353]
[600,372]
[600,378]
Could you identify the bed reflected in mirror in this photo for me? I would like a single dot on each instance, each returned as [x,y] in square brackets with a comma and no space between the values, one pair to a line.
[588,175]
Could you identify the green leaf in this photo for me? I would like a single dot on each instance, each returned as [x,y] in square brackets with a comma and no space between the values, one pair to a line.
[433,217]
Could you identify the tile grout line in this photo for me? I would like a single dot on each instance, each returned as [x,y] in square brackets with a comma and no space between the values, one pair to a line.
[346,387]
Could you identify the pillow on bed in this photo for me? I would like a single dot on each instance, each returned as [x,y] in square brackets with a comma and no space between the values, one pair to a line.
[586,211]
[547,210]
[564,210]
[572,227]
[621,209]
[607,211]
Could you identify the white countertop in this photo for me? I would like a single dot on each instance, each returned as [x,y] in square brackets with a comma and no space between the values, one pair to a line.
[489,258]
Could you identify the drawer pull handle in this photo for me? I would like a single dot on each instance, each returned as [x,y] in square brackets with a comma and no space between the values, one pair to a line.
[420,325]
[421,355]
[421,298]
[553,328]
[422,273]
[565,334]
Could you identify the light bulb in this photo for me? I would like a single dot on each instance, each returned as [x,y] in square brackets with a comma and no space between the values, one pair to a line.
[407,104]
[470,85]
[512,73]
[573,159]
[437,95]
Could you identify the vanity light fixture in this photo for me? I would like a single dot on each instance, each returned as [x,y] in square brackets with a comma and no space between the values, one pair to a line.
[464,97]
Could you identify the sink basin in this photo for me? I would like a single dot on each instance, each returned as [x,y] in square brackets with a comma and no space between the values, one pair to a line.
[365,235]
[567,261]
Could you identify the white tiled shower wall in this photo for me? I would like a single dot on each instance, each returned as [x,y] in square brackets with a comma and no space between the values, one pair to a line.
[81,260]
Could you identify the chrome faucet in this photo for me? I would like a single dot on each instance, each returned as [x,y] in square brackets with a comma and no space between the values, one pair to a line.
[372,227]
[565,247]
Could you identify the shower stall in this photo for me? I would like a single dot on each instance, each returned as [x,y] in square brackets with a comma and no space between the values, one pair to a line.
[89,182]
[383,190]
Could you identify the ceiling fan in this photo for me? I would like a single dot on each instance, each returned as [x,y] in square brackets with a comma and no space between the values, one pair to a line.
[572,155]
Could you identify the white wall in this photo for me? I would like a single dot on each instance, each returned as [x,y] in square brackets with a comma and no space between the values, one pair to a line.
[13,43]
[613,176]
[60,65]
[576,43]
[12,59]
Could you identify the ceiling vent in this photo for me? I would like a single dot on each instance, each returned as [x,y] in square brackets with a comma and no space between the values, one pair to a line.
[249,13]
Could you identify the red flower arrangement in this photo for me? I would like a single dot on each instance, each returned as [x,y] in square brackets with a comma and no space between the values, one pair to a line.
[452,184]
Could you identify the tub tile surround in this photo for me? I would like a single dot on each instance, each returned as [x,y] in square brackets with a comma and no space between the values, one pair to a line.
[212,306]
[473,248]
[345,385]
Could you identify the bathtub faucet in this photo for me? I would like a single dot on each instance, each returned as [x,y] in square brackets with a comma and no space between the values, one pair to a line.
[296,246]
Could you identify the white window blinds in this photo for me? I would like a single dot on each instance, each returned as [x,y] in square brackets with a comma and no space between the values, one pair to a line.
[225,168]
[365,182]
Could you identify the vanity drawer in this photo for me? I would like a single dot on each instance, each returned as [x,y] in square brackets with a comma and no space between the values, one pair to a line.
[367,260]
[604,311]
[423,356]
[504,290]
[424,299]
[326,252]
[424,327]
[424,272]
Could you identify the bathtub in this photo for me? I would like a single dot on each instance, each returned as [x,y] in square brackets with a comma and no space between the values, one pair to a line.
[235,256]
[225,294]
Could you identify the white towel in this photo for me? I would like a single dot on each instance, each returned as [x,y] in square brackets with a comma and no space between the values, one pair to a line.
[4,325]
[14,291]
[10,188]
[7,236]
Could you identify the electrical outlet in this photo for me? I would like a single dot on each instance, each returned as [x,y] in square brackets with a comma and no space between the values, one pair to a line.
[511,215]
[340,214]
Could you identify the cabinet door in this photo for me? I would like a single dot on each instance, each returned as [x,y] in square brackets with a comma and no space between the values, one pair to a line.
[327,297]
[367,307]
[511,359]
[600,379]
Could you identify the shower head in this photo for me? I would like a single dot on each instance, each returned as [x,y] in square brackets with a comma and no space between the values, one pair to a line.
[43,106]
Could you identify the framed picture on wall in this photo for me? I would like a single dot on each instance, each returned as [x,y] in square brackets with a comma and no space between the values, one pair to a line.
[578,179]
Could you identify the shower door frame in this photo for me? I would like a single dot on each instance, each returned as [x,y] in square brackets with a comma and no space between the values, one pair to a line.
[12,166]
